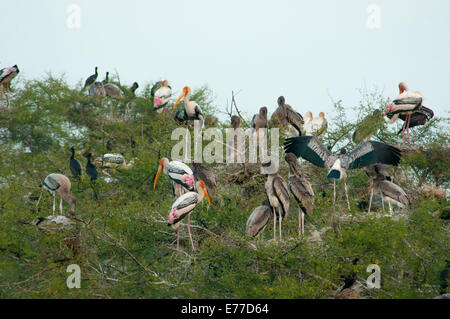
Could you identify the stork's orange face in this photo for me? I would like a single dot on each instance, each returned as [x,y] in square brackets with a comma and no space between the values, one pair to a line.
[183,93]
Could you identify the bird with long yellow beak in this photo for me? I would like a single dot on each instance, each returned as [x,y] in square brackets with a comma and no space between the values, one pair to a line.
[184,205]
[181,175]
[192,110]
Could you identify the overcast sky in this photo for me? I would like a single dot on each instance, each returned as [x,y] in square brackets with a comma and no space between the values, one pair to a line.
[304,50]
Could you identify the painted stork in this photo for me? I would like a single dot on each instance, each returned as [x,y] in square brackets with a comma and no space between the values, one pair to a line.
[370,152]
[287,117]
[258,219]
[192,110]
[179,173]
[206,174]
[184,205]
[162,96]
[59,183]
[6,75]
[134,87]
[74,165]
[390,192]
[259,121]
[278,194]
[315,126]
[301,189]
[373,171]
[106,80]
[91,79]
[405,104]
[368,126]
[420,117]
[113,91]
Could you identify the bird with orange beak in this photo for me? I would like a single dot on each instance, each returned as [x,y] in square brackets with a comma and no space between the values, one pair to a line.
[181,175]
[192,110]
[184,205]
[405,104]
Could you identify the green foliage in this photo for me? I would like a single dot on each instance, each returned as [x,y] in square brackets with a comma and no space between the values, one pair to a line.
[124,246]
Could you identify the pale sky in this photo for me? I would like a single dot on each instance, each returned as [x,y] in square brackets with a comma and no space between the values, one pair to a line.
[300,49]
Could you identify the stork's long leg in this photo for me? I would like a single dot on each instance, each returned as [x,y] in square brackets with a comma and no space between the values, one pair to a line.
[334,192]
[403,131]
[54,202]
[382,200]
[346,194]
[407,128]
[60,204]
[189,230]
[370,200]
[280,220]
[303,223]
[274,224]
[40,196]
[299,220]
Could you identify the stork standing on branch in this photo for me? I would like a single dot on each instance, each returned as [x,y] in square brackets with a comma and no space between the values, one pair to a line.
[184,205]
[288,118]
[91,79]
[192,110]
[311,149]
[278,194]
[405,104]
[58,183]
[6,75]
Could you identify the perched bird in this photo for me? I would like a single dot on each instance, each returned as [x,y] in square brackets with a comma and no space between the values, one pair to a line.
[109,145]
[368,127]
[235,122]
[287,117]
[6,75]
[184,205]
[205,173]
[258,219]
[373,171]
[74,165]
[162,96]
[91,170]
[155,88]
[405,104]
[134,87]
[179,173]
[390,192]
[420,117]
[278,194]
[113,91]
[97,89]
[132,142]
[301,189]
[260,120]
[91,79]
[315,126]
[192,110]
[370,152]
[211,121]
[106,80]
[58,183]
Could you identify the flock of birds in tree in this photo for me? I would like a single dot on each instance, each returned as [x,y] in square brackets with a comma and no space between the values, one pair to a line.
[190,187]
